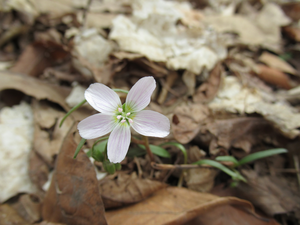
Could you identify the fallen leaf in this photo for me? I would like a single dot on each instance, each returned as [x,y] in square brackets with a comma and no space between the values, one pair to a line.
[209,89]
[241,133]
[179,205]
[292,9]
[187,121]
[126,189]
[273,76]
[200,179]
[73,197]
[29,207]
[8,216]
[48,136]
[292,32]
[34,87]
[277,63]
[270,194]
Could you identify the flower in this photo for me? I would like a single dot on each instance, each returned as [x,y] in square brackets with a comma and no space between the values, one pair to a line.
[117,118]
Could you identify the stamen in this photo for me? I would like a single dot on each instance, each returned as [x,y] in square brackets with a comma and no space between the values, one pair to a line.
[123,121]
[120,109]
[128,114]
[119,117]
[130,120]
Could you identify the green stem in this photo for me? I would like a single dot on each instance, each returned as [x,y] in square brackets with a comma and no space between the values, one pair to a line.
[120,90]
[146,143]
[72,110]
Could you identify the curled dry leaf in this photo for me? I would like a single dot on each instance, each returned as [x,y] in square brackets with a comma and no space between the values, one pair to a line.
[241,133]
[273,76]
[126,189]
[73,197]
[292,32]
[200,179]
[34,87]
[235,98]
[179,205]
[277,63]
[186,121]
[209,89]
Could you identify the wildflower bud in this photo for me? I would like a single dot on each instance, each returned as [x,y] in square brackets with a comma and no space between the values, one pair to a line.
[118,166]
[109,167]
[97,155]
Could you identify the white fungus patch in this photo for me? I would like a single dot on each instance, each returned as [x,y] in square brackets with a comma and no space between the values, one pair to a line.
[16,136]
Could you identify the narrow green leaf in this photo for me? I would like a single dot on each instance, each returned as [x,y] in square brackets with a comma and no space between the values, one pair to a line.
[81,143]
[72,110]
[234,174]
[261,154]
[136,152]
[228,158]
[180,146]
[157,151]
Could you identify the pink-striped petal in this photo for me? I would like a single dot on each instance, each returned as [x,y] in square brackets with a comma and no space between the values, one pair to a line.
[102,98]
[139,95]
[150,123]
[96,126]
[118,143]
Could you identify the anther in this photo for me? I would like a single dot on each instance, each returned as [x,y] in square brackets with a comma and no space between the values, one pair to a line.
[127,114]
[119,117]
[130,120]
[123,121]
[120,109]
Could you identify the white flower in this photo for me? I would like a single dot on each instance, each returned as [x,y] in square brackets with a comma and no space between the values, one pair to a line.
[117,118]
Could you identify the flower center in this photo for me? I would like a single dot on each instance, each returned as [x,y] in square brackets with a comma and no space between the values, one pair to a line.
[124,116]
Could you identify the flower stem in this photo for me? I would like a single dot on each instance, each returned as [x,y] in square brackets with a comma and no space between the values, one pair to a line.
[72,110]
[146,143]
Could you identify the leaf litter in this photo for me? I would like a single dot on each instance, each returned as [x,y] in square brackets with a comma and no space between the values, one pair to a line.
[227,78]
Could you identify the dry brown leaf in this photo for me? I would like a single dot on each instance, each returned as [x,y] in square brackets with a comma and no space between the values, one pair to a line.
[209,89]
[200,179]
[241,133]
[8,216]
[277,63]
[178,206]
[273,76]
[34,87]
[269,193]
[186,121]
[29,208]
[292,9]
[126,189]
[48,136]
[73,197]
[38,172]
[292,32]
[226,215]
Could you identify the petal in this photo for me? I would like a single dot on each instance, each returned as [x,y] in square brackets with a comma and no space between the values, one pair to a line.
[102,98]
[150,123]
[139,95]
[96,126]
[118,143]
